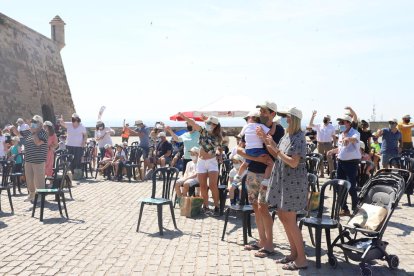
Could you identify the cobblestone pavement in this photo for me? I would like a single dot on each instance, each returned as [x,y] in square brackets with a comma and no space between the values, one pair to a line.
[100,239]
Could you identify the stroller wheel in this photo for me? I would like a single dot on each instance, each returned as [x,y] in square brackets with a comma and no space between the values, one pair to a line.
[333,262]
[393,261]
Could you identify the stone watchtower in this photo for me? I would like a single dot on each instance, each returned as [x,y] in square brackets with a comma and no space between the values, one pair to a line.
[32,75]
[58,31]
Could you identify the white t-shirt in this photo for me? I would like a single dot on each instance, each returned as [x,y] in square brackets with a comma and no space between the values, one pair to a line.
[106,139]
[324,133]
[2,140]
[190,169]
[75,135]
[252,140]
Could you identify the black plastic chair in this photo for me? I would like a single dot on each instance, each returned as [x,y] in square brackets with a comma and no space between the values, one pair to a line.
[320,222]
[59,164]
[362,177]
[223,181]
[64,162]
[312,166]
[405,163]
[245,209]
[134,162]
[168,177]
[6,182]
[17,173]
[86,161]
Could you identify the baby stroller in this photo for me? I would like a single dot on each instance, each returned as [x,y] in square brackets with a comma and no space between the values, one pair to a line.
[377,201]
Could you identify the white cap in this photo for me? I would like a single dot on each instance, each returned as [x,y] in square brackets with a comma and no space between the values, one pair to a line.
[269,105]
[20,121]
[237,157]
[48,123]
[276,120]
[327,117]
[345,118]
[213,120]
[75,115]
[139,122]
[253,113]
[362,145]
[16,138]
[393,120]
[407,116]
[195,149]
[99,122]
[125,144]
[107,146]
[162,134]
[293,111]
[38,119]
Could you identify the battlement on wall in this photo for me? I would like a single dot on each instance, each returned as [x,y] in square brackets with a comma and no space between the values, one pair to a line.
[32,75]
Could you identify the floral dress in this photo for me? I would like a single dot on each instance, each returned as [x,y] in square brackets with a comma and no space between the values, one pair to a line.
[288,186]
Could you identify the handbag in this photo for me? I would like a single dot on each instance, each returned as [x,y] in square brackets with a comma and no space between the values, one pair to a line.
[190,206]
[314,201]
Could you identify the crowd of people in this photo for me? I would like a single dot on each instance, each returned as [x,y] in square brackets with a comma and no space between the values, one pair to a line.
[270,158]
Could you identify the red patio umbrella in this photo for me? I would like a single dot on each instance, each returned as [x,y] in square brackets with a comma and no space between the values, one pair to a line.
[189,114]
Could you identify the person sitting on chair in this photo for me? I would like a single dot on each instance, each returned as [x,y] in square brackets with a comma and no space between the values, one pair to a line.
[119,161]
[164,150]
[107,159]
[237,161]
[189,178]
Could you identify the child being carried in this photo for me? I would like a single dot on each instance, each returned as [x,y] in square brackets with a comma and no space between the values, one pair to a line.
[254,146]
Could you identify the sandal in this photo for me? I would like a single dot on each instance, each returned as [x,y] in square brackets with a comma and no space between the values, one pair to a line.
[250,247]
[284,260]
[292,266]
[263,253]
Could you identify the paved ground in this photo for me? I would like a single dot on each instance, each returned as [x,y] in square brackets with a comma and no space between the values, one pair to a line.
[100,238]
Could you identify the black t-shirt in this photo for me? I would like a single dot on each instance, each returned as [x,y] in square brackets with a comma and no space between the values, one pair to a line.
[364,136]
[163,147]
[279,133]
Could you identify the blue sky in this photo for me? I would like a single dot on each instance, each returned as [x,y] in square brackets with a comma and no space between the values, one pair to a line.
[151,59]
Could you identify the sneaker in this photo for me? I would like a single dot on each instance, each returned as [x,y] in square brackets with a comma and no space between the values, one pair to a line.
[265,182]
[344,213]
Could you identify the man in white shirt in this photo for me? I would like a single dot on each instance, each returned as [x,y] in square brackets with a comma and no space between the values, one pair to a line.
[325,135]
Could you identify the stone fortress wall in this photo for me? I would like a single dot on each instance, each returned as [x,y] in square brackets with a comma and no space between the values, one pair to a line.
[32,76]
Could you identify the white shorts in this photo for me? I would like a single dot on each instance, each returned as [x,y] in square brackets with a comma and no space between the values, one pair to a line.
[205,166]
[191,182]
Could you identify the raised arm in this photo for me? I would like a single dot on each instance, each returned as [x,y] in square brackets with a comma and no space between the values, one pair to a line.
[311,124]
[173,135]
[62,122]
[190,121]
[353,114]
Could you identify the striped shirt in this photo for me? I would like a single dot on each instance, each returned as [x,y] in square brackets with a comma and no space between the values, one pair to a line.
[35,154]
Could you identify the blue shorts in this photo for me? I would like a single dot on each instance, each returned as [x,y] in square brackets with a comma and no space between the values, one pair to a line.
[256,152]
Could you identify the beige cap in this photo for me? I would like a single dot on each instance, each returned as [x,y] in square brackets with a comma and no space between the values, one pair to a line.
[20,121]
[162,134]
[237,157]
[48,123]
[75,115]
[393,120]
[253,113]
[407,116]
[213,120]
[276,120]
[269,105]
[16,138]
[327,117]
[38,118]
[195,149]
[291,111]
[345,118]
[139,122]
